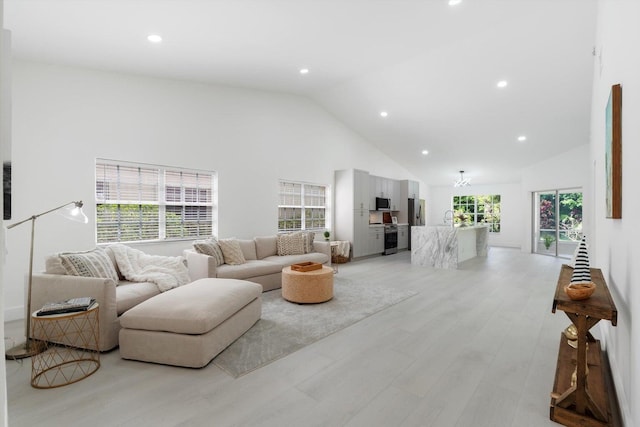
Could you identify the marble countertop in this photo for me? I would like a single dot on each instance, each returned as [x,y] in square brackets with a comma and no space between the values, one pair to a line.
[440,245]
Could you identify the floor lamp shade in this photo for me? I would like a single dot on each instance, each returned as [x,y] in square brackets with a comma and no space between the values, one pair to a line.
[72,211]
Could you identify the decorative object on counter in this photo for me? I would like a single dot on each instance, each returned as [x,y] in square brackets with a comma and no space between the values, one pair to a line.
[462,182]
[580,291]
[306,266]
[571,333]
[326,235]
[462,219]
[33,347]
[581,287]
[548,239]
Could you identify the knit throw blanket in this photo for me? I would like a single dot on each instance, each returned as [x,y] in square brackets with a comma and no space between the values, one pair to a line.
[166,272]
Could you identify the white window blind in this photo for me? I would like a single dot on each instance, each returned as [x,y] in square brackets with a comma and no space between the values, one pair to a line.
[136,202]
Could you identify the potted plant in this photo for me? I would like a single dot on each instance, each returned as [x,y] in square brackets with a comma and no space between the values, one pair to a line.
[326,235]
[548,239]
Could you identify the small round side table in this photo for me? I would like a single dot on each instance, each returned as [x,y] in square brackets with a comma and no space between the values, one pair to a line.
[307,287]
[72,351]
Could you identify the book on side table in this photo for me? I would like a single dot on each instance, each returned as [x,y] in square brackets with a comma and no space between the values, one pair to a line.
[69,306]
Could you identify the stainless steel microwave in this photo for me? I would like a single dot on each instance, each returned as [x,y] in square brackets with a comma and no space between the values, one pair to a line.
[383,204]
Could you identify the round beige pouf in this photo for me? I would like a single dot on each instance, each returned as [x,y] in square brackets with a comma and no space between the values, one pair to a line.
[307,287]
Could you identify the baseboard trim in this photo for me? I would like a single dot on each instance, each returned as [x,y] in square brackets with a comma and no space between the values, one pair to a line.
[620,410]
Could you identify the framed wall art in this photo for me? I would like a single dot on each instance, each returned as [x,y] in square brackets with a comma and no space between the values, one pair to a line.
[613,152]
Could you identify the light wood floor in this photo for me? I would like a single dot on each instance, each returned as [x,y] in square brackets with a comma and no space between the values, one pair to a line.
[476,347]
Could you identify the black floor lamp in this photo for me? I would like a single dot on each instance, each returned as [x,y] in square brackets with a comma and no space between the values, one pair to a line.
[31,347]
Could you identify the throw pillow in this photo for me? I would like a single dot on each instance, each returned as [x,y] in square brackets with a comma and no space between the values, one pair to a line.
[211,248]
[291,244]
[308,241]
[231,251]
[94,263]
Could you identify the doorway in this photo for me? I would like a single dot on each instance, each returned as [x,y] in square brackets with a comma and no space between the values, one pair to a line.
[557,217]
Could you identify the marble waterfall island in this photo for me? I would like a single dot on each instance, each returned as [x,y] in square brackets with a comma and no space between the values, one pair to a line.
[446,246]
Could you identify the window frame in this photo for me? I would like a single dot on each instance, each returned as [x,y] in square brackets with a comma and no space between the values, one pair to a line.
[108,180]
[471,205]
[304,207]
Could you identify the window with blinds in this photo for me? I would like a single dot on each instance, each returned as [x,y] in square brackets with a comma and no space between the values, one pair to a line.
[302,207]
[138,202]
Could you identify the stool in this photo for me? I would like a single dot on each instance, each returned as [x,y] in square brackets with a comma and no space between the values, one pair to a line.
[190,325]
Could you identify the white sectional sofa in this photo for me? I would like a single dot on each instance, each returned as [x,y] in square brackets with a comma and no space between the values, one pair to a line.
[262,264]
[115,295]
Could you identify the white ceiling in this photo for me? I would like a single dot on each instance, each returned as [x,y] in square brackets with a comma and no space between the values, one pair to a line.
[432,66]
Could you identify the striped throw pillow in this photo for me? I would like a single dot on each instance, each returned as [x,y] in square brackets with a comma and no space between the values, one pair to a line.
[94,263]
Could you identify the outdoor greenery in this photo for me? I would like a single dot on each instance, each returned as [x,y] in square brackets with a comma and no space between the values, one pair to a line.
[478,210]
[136,222]
[570,216]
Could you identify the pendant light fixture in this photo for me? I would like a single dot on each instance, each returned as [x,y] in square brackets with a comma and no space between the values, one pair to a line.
[462,182]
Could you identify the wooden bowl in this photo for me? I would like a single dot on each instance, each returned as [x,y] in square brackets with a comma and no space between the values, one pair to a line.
[580,291]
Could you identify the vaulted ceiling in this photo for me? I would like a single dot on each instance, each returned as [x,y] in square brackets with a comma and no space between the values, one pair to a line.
[432,67]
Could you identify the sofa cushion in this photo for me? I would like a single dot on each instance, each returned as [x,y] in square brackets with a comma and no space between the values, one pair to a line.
[112,257]
[266,246]
[195,308]
[210,247]
[308,241]
[231,251]
[248,248]
[290,244]
[130,294]
[53,265]
[94,263]
[287,260]
[249,269]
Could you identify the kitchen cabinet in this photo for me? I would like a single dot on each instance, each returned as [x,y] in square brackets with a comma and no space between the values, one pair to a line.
[403,237]
[352,209]
[385,188]
[394,195]
[376,241]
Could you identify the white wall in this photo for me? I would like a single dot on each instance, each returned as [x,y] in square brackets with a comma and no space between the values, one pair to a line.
[439,201]
[615,248]
[5,141]
[567,170]
[63,118]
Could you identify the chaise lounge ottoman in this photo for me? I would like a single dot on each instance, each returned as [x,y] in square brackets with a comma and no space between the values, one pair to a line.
[189,325]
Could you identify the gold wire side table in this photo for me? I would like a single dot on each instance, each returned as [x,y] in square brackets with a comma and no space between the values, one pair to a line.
[72,352]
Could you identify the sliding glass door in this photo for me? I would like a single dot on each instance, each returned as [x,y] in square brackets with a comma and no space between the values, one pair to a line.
[558,222]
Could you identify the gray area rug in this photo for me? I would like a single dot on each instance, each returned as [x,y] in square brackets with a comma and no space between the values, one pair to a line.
[286,327]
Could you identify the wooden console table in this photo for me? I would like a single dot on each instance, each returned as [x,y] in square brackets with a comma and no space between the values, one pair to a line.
[584,403]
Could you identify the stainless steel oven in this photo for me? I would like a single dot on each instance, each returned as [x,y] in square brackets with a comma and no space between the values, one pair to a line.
[390,239]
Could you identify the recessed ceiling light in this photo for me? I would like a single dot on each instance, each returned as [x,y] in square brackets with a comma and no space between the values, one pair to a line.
[154,38]
[425,152]
[522,138]
[502,83]
[383,114]
[304,71]
[454,2]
